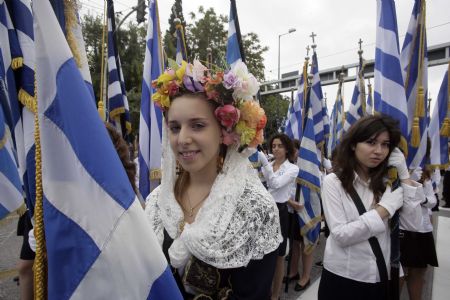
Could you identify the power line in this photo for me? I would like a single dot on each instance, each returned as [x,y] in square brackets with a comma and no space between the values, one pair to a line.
[349,49]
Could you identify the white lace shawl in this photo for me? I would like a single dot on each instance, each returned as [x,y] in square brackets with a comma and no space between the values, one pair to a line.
[238,221]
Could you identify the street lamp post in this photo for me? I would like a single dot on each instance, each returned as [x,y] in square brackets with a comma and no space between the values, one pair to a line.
[291,30]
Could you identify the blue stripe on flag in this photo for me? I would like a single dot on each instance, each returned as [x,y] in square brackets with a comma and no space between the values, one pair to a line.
[163,287]
[67,110]
[389,66]
[70,253]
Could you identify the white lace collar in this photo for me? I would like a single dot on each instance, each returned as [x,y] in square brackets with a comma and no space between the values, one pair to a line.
[238,221]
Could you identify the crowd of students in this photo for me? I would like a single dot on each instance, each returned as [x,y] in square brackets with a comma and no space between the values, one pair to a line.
[225,235]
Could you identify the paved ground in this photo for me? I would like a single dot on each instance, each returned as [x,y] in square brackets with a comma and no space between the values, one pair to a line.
[10,245]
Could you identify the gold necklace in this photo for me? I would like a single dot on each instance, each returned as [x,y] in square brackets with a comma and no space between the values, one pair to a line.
[191,209]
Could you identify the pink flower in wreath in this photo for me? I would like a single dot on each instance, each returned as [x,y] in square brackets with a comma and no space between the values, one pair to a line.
[228,115]
[229,138]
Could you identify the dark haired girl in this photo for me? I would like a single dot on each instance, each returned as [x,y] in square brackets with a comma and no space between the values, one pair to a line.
[362,160]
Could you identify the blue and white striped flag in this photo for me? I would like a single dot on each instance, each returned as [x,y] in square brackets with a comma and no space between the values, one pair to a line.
[234,44]
[316,99]
[118,110]
[337,121]
[22,19]
[439,129]
[12,59]
[414,62]
[10,185]
[95,226]
[294,121]
[181,44]
[150,124]
[308,181]
[326,126]
[358,104]
[389,97]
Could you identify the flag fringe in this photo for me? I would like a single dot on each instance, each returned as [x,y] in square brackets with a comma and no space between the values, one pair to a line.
[445,129]
[16,63]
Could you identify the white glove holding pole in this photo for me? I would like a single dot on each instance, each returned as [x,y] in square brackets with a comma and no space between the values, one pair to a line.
[416,174]
[392,200]
[262,158]
[397,160]
[32,240]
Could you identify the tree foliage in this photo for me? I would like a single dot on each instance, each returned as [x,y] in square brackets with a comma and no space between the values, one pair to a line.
[276,107]
[131,47]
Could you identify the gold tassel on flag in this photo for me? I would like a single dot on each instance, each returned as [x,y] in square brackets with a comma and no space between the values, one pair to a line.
[420,103]
[101,110]
[415,136]
[445,129]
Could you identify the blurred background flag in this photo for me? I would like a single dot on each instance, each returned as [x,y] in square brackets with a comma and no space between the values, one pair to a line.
[439,129]
[235,51]
[414,62]
[10,185]
[337,119]
[181,53]
[294,127]
[357,107]
[389,96]
[94,225]
[22,20]
[150,124]
[119,112]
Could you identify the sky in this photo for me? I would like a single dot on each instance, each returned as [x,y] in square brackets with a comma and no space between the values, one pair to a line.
[339,24]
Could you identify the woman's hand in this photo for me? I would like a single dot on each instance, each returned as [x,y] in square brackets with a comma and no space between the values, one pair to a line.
[295,205]
[397,160]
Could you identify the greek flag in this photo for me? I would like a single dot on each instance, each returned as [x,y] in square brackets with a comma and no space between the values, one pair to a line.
[22,19]
[439,129]
[358,104]
[234,44]
[294,127]
[337,121]
[389,97]
[150,124]
[119,112]
[99,242]
[316,99]
[326,126]
[308,181]
[369,103]
[414,62]
[12,59]
[69,20]
[10,185]
[181,45]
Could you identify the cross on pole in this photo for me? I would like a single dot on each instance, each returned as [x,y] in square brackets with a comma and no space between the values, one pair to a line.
[360,44]
[307,51]
[313,35]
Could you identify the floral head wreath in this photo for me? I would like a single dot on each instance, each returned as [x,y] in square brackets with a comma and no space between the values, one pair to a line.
[242,119]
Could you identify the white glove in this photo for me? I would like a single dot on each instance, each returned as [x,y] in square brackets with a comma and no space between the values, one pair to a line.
[392,200]
[32,240]
[416,174]
[327,164]
[397,160]
[262,158]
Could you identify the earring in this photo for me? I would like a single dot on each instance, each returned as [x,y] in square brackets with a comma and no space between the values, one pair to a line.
[179,169]
[219,164]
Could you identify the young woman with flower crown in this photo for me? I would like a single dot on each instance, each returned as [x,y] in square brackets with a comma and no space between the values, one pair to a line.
[217,224]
